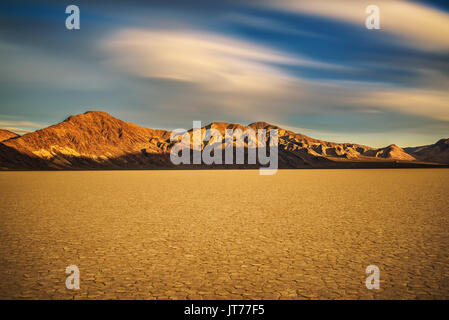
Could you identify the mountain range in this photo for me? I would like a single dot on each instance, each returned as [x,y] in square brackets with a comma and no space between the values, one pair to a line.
[97,140]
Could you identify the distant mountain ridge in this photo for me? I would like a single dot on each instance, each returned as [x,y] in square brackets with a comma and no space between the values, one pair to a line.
[96,140]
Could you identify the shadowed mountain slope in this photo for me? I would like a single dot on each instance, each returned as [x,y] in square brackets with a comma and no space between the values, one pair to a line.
[437,152]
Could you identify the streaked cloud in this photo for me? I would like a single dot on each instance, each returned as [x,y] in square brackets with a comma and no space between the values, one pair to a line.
[223,75]
[220,62]
[415,24]
[20,126]
[426,103]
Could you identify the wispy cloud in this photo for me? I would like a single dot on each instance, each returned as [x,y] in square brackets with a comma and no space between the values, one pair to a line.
[416,24]
[426,103]
[220,62]
[19,126]
[224,74]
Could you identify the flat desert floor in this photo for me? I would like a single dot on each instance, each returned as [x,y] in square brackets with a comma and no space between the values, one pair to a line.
[300,234]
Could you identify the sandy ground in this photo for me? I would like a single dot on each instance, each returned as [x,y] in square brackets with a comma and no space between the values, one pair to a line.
[300,234]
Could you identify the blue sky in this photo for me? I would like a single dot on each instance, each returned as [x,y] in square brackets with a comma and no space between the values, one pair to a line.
[310,66]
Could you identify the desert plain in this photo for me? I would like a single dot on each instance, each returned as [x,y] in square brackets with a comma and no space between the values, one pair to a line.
[225,234]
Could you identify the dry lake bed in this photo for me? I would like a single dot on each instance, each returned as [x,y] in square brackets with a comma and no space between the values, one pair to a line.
[300,234]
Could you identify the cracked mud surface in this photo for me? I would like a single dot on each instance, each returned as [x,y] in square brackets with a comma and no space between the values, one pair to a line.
[300,234]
